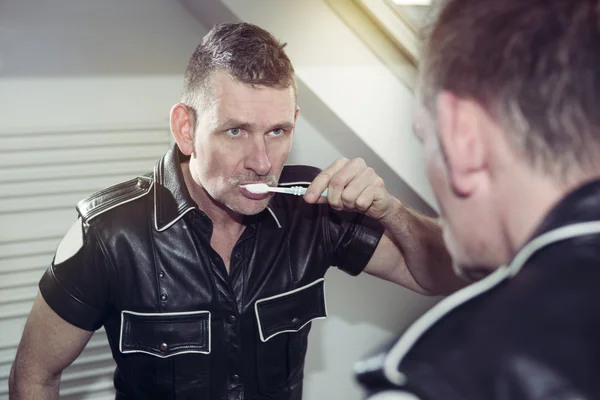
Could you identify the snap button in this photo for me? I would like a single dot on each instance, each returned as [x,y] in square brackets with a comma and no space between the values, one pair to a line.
[238,255]
[163,347]
[295,321]
[231,319]
[142,184]
[163,297]
[161,274]
[235,378]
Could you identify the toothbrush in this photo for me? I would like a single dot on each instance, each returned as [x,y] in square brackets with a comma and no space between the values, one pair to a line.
[260,188]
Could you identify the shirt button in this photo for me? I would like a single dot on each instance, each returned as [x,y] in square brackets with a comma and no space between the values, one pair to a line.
[238,255]
[163,347]
[161,274]
[163,297]
[142,184]
[231,319]
[295,321]
[235,378]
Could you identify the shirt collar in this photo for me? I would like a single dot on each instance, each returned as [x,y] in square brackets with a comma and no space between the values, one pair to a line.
[172,199]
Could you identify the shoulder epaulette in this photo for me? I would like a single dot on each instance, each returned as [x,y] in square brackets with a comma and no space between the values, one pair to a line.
[114,196]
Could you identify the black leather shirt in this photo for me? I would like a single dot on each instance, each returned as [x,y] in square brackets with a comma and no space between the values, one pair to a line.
[529,331]
[180,326]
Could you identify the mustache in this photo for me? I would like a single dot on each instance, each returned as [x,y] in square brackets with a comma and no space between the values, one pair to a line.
[270,180]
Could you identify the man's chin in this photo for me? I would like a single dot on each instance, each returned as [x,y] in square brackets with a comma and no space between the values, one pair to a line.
[253,208]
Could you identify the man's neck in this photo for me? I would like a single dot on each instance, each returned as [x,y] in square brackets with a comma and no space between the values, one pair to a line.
[537,195]
[223,219]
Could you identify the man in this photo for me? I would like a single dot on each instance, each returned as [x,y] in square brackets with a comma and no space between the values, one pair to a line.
[509,117]
[206,290]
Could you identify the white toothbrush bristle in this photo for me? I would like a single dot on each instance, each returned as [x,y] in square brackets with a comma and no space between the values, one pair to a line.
[257,188]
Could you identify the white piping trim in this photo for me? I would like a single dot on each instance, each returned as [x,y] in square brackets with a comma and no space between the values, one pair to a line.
[124,202]
[416,330]
[274,216]
[164,228]
[260,331]
[162,315]
[555,235]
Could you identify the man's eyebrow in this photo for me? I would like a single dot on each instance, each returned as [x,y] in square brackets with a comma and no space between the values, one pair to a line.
[234,123]
[283,125]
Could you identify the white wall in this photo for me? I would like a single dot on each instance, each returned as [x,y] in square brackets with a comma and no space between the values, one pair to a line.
[93,83]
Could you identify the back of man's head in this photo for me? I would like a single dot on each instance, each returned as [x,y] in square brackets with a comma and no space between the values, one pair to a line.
[245,51]
[534,65]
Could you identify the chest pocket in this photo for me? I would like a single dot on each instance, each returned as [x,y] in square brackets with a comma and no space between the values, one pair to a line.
[155,346]
[280,320]
[165,334]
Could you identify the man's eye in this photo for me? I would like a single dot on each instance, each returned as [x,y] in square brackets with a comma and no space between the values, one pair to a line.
[234,132]
[276,132]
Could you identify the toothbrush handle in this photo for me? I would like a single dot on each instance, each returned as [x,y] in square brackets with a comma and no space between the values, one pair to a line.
[299,190]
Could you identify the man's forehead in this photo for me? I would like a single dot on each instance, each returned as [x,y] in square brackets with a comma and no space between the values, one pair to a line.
[221,84]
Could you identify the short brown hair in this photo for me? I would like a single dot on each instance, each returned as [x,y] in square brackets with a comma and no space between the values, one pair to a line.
[535,67]
[245,51]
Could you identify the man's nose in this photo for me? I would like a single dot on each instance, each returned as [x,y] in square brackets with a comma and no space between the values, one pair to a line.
[257,158]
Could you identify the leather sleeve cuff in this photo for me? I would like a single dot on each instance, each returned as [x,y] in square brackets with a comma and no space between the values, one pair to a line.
[366,236]
[67,306]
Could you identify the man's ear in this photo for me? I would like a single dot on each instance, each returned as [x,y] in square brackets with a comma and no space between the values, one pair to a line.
[182,121]
[461,130]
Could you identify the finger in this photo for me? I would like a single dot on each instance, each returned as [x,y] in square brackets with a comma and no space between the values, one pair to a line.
[322,200]
[367,198]
[357,186]
[341,179]
[321,181]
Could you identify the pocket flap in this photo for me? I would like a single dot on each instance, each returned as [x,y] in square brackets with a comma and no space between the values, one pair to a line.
[290,311]
[165,334]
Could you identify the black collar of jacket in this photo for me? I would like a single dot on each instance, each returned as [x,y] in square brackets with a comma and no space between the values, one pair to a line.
[172,199]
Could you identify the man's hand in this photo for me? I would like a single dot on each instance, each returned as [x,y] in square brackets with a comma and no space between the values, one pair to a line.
[352,186]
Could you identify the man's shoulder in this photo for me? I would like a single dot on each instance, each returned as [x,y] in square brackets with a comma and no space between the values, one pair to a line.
[287,208]
[298,175]
[114,197]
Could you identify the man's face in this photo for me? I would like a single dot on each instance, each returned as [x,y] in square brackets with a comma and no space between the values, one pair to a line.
[244,135]
[462,189]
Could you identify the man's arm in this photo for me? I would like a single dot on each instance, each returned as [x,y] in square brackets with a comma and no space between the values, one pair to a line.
[49,344]
[412,253]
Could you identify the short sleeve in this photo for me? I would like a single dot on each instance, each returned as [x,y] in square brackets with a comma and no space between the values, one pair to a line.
[76,285]
[353,238]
